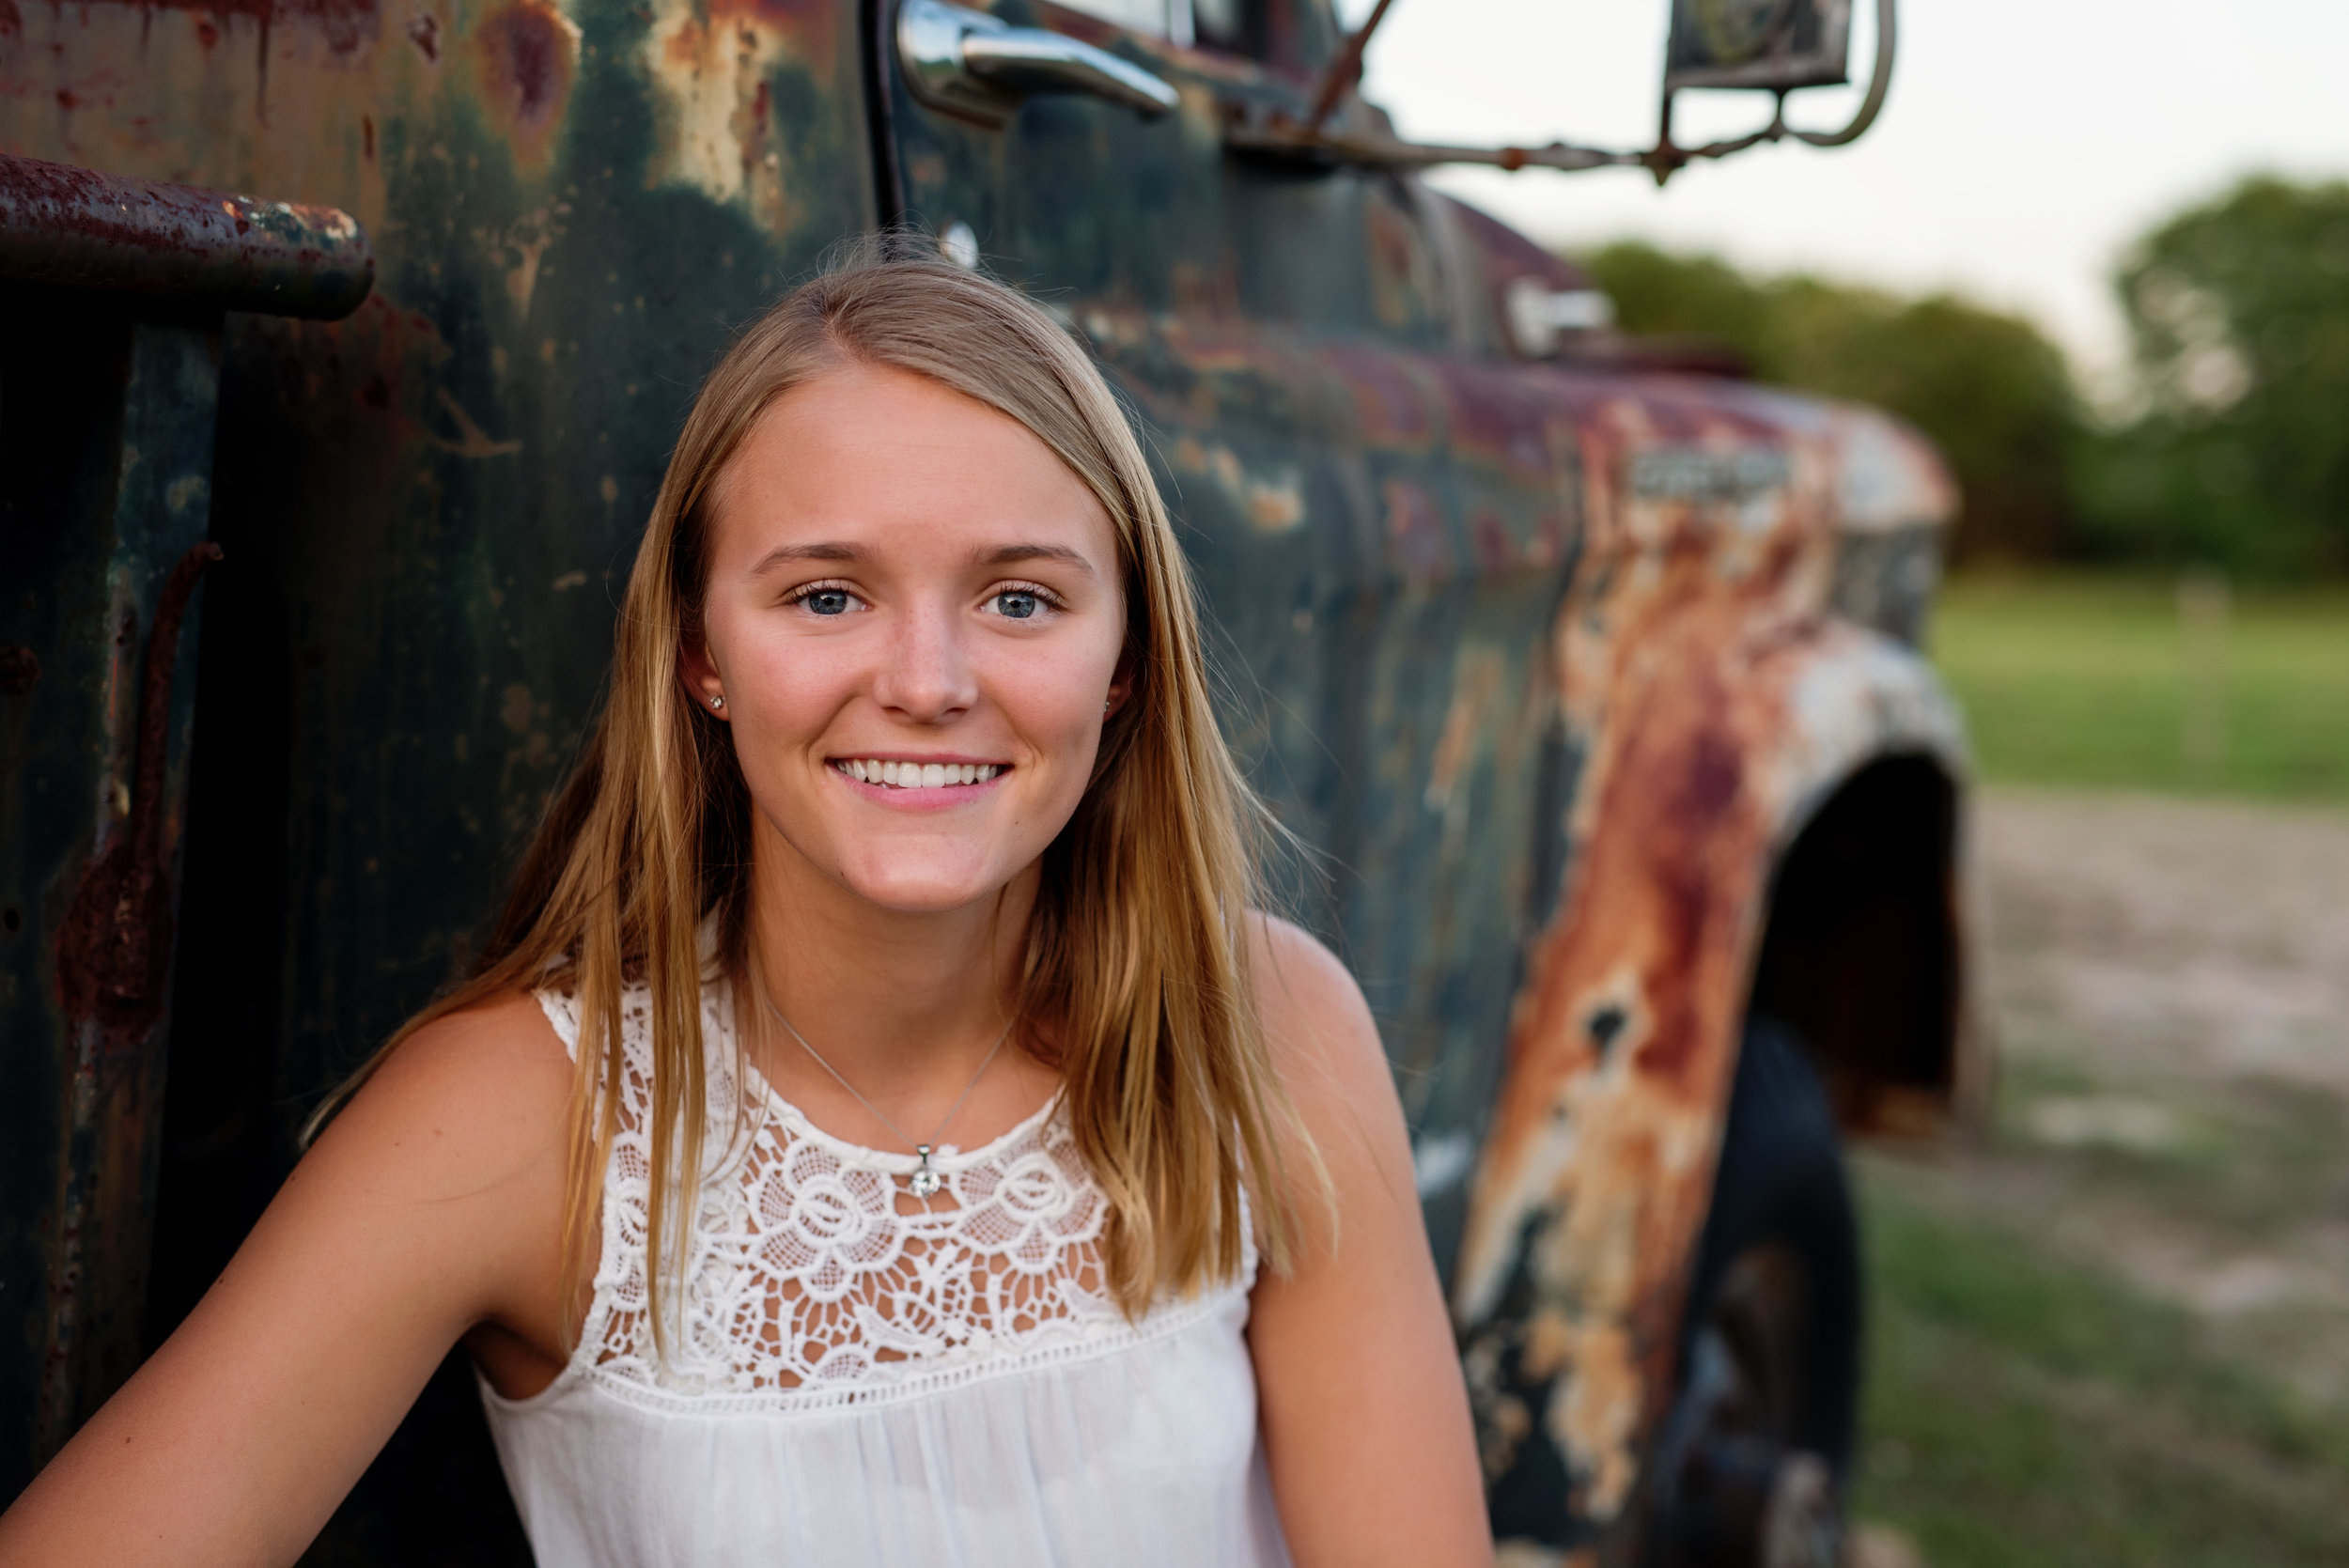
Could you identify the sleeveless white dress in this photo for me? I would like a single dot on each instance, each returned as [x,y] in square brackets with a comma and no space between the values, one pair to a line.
[857,1381]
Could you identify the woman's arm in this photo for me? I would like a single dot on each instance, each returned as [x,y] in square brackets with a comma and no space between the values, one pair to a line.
[1365,1417]
[432,1202]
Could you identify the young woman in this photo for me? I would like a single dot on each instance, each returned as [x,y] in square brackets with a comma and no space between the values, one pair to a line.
[882,1131]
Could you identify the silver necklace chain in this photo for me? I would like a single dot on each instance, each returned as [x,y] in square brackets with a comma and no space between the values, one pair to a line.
[925,1181]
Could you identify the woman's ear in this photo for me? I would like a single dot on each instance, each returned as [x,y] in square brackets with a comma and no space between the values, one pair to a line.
[1121,688]
[698,674]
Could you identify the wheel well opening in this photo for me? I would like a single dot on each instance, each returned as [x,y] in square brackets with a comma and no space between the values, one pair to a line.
[1861,953]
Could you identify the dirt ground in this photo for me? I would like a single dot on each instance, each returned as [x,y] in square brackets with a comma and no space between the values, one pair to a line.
[2169,983]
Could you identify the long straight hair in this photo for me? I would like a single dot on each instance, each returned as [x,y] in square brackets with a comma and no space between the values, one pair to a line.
[1135,973]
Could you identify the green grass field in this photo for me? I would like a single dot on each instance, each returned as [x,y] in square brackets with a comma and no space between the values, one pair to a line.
[2026,1413]
[2085,680]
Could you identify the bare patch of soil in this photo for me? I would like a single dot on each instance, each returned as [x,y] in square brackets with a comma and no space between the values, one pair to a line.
[2170,984]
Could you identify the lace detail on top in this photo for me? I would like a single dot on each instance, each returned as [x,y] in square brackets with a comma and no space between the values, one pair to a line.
[814,1276]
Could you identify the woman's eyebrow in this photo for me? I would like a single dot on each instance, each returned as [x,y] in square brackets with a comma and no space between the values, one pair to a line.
[827,552]
[1006,555]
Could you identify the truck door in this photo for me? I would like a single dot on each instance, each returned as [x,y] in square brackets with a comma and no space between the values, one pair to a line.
[1081,184]
[1375,496]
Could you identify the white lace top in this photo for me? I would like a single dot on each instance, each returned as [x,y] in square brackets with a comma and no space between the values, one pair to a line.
[862,1378]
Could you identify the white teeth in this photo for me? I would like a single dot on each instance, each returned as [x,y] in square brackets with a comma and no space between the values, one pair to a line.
[918,775]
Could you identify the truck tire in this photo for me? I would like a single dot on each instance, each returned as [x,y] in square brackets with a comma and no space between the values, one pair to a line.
[1749,1469]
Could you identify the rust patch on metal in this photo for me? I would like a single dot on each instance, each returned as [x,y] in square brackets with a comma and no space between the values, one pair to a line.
[114,948]
[81,58]
[528,55]
[66,225]
[1272,502]
[1415,532]
[1602,1137]
[1479,675]
[345,26]
[1403,284]
[713,66]
[1393,407]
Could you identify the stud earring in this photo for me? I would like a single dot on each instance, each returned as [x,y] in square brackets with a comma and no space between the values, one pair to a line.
[717,702]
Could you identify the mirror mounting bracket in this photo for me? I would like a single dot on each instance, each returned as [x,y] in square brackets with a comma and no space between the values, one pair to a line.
[1253,129]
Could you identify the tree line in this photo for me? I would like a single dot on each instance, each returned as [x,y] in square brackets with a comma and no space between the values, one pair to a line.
[2228,445]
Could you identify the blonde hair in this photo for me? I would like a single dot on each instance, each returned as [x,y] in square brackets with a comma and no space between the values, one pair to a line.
[1136,967]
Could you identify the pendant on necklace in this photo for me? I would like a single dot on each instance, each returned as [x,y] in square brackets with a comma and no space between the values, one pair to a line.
[925,1181]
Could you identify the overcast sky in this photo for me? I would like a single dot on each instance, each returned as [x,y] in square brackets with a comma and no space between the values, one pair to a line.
[2024,143]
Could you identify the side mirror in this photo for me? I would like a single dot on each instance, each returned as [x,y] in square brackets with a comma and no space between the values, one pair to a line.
[1776,45]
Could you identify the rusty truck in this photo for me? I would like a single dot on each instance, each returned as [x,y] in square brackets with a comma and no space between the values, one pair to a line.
[342,343]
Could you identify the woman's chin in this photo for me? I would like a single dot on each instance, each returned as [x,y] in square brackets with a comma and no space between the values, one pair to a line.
[923,889]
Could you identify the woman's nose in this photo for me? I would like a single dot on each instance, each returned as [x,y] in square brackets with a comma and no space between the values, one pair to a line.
[927,675]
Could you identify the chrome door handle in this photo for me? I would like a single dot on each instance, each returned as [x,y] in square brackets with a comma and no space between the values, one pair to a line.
[969,63]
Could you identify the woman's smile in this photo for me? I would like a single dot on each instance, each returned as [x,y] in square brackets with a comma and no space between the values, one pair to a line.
[925,782]
[919,772]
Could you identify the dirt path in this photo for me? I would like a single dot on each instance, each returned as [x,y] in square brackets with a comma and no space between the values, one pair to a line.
[2170,981]
[2202,941]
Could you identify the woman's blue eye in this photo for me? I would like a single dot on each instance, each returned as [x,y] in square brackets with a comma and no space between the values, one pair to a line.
[827,601]
[1016,604]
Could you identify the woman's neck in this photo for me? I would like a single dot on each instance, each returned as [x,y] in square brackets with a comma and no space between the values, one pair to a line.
[898,1002]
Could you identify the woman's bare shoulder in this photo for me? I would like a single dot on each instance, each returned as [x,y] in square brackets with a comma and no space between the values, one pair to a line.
[509,1031]
[471,1098]
[1307,1001]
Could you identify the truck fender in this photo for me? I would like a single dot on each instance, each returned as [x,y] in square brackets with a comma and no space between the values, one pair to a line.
[1729,723]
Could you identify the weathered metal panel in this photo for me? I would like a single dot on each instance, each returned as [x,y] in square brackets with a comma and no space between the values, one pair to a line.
[108,389]
[105,468]
[572,204]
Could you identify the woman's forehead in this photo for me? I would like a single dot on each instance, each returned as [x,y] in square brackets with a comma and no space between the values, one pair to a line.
[872,459]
